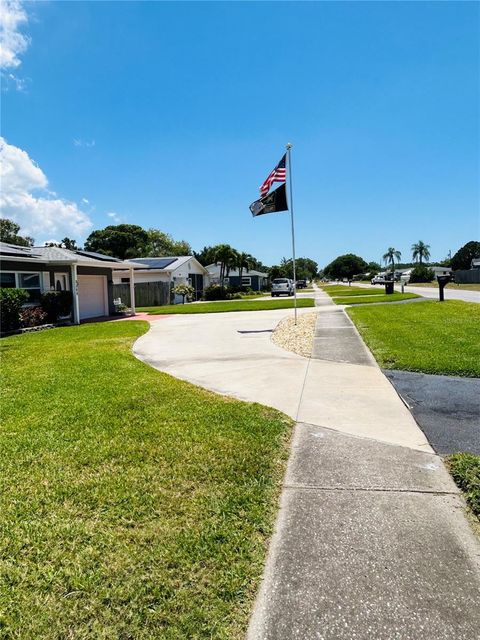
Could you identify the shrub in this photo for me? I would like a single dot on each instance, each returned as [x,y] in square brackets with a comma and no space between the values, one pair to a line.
[421,273]
[11,302]
[215,292]
[32,316]
[185,290]
[56,304]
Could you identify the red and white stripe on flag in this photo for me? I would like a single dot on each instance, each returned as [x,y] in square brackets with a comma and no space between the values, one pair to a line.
[279,174]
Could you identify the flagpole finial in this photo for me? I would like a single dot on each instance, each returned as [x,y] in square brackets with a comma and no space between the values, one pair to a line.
[289,145]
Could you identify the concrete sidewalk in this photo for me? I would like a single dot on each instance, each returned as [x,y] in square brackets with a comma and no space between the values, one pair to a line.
[371,540]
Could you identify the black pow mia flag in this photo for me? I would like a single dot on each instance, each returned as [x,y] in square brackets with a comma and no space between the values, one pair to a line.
[271,203]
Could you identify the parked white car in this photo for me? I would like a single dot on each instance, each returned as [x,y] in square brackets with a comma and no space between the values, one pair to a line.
[282,287]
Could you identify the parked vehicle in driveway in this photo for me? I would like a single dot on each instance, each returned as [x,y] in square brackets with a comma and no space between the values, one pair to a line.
[301,284]
[378,280]
[282,287]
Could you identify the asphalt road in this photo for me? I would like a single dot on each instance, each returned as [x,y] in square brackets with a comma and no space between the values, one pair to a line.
[446,408]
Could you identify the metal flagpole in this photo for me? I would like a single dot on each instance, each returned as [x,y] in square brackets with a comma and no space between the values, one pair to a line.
[289,146]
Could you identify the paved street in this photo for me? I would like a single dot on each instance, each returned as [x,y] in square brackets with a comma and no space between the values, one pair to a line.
[371,540]
[447,408]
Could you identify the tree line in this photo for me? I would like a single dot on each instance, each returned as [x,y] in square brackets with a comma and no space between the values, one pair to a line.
[350,265]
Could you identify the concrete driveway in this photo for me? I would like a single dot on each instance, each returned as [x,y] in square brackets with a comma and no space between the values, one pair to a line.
[232,354]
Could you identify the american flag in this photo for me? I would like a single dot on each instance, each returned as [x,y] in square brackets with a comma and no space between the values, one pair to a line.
[279,174]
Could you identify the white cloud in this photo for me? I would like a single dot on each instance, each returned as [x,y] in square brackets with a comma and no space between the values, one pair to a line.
[85,201]
[12,41]
[78,142]
[115,217]
[41,216]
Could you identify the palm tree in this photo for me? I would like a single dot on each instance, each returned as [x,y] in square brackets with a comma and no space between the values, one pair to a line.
[226,257]
[244,261]
[420,250]
[390,257]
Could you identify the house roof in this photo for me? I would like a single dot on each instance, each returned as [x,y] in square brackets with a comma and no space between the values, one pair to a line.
[215,268]
[58,255]
[165,263]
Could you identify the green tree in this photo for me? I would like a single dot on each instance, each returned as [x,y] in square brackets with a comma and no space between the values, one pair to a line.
[160,243]
[226,257]
[390,256]
[70,244]
[421,251]
[464,256]
[373,268]
[9,234]
[206,256]
[120,241]
[345,266]
[244,261]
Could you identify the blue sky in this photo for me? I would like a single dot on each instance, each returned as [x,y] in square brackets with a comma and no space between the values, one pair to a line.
[170,115]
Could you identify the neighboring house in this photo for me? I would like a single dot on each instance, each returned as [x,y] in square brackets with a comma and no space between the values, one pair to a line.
[437,271]
[256,280]
[174,270]
[88,275]
[475,264]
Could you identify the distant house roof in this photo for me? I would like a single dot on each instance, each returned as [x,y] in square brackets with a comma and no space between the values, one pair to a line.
[155,263]
[165,263]
[56,255]
[214,269]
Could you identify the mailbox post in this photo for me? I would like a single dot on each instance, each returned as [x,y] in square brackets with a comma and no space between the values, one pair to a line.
[442,283]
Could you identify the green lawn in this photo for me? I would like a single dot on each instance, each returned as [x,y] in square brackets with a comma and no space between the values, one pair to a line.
[133,505]
[336,290]
[229,305]
[367,299]
[433,337]
[465,469]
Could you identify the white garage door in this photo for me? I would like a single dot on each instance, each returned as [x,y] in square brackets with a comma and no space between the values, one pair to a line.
[92,296]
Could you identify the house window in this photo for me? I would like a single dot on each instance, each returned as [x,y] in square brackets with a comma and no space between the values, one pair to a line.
[246,281]
[226,281]
[7,281]
[22,280]
[31,283]
[125,280]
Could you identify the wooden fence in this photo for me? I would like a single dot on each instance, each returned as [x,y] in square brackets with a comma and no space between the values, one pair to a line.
[147,294]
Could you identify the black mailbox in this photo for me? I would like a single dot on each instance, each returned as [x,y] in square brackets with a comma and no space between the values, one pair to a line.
[389,286]
[442,283]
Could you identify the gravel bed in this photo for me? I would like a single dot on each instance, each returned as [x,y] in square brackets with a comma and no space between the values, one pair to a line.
[298,339]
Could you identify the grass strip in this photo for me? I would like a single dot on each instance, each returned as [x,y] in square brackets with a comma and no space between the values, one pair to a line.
[392,297]
[465,469]
[134,505]
[228,305]
[431,337]
[335,290]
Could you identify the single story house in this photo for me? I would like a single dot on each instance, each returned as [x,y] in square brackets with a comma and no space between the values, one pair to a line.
[89,276]
[174,270]
[256,280]
[437,271]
